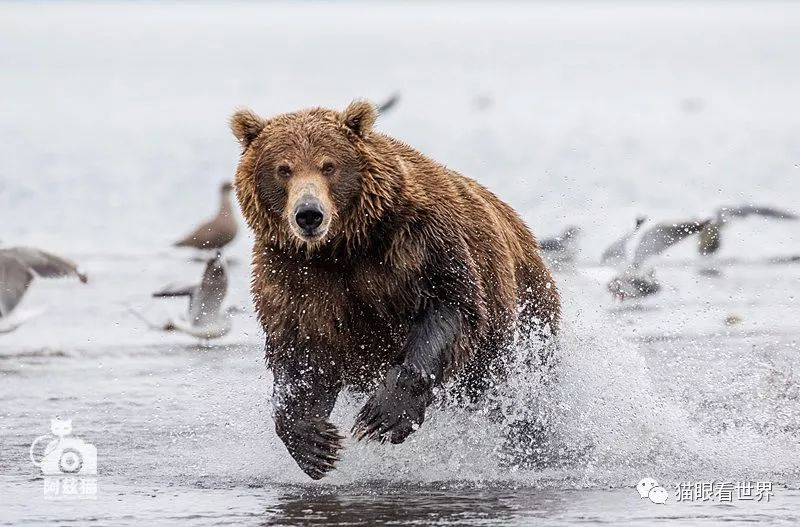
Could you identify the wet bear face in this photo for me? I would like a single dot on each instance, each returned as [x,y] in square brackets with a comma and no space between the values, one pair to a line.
[301,172]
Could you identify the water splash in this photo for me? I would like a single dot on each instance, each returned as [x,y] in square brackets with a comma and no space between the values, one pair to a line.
[607,405]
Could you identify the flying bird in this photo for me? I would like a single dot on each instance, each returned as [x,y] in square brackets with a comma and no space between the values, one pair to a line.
[18,267]
[205,318]
[561,249]
[616,253]
[389,103]
[639,282]
[217,232]
[709,241]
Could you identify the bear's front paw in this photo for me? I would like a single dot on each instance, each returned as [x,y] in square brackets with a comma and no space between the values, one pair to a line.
[390,413]
[313,443]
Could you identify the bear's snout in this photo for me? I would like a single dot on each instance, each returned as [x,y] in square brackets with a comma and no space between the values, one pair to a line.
[308,215]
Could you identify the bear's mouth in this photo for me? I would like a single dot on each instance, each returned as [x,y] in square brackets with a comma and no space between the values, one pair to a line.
[310,237]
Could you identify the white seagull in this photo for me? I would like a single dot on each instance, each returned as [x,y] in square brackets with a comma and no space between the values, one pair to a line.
[205,318]
[638,282]
[616,253]
[562,249]
[18,267]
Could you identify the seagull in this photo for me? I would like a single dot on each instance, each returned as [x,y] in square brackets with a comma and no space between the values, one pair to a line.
[616,252]
[389,103]
[18,267]
[633,285]
[561,249]
[204,319]
[709,241]
[217,232]
[637,282]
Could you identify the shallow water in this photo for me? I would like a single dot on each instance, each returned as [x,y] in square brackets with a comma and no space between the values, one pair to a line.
[112,143]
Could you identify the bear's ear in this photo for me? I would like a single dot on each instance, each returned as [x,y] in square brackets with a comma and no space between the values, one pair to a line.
[246,126]
[359,117]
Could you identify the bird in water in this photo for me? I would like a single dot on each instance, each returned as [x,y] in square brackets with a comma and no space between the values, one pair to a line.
[616,253]
[217,232]
[562,249]
[18,267]
[710,241]
[205,318]
[638,282]
[634,285]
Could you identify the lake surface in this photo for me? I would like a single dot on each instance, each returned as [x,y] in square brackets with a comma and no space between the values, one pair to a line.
[113,140]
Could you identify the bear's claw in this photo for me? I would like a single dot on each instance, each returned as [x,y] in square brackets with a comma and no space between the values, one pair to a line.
[389,415]
[314,446]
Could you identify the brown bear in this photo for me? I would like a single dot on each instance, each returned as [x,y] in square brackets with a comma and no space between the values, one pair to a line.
[379,269]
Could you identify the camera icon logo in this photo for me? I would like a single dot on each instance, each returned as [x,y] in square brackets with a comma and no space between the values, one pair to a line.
[64,454]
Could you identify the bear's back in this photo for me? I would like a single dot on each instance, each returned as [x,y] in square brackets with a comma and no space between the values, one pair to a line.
[503,247]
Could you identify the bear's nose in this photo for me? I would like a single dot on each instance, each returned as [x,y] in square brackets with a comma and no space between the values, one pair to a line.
[308,215]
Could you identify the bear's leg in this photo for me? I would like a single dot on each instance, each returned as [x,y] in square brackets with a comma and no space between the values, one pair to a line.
[303,399]
[397,407]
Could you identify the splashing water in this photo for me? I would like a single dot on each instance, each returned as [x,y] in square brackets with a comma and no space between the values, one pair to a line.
[619,406]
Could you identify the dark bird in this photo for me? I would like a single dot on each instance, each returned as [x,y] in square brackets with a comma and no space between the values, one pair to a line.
[616,253]
[710,241]
[217,232]
[792,258]
[389,103]
[18,267]
[637,282]
[205,319]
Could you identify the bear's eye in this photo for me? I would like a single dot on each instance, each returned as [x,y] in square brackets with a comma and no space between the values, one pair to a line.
[328,169]
[284,171]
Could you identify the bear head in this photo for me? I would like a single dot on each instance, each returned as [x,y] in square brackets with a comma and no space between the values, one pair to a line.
[304,177]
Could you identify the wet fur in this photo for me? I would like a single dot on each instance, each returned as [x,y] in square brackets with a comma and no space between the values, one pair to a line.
[422,278]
